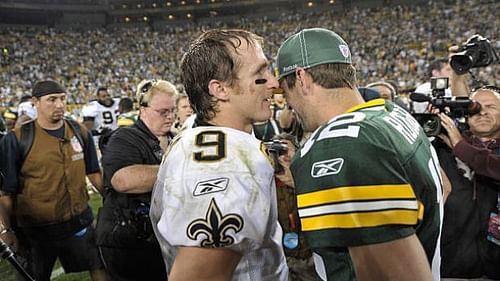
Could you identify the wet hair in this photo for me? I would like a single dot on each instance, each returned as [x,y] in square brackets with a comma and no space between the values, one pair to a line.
[212,56]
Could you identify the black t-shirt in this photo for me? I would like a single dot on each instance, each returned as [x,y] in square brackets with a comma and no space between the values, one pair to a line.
[130,146]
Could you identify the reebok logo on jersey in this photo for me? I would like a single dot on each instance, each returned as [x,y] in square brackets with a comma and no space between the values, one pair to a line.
[327,167]
[210,186]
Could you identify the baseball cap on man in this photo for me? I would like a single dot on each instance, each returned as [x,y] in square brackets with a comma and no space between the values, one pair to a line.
[311,47]
[43,88]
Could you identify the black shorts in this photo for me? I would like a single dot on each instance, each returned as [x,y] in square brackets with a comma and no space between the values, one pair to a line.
[77,253]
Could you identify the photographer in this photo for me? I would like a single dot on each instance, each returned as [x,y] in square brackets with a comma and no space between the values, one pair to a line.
[130,161]
[471,160]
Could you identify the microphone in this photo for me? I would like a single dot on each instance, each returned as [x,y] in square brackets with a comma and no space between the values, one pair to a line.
[418,97]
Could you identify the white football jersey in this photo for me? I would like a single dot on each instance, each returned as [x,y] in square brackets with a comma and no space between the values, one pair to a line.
[104,116]
[216,188]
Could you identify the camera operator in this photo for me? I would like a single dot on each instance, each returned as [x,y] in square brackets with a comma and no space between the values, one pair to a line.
[471,159]
[130,162]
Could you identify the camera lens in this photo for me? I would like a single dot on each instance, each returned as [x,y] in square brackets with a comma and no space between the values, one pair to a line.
[461,63]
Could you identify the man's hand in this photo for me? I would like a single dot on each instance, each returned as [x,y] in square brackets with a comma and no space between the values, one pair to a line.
[454,136]
[459,87]
[8,237]
[286,175]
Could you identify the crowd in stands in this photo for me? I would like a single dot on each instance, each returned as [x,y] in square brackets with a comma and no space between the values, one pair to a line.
[392,43]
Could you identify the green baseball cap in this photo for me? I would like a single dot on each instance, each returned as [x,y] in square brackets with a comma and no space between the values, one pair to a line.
[311,47]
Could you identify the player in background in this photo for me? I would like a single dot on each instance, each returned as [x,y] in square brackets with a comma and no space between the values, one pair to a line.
[101,113]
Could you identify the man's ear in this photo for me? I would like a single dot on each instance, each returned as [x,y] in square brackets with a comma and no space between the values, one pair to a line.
[218,90]
[35,101]
[304,79]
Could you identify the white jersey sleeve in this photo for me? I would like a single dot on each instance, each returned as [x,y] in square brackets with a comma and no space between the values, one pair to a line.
[215,188]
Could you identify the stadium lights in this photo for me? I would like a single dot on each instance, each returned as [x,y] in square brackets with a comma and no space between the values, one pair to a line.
[197,1]
[183,2]
[139,6]
[188,16]
[154,5]
[127,19]
[145,18]
[170,17]
[310,4]
[169,4]
[332,1]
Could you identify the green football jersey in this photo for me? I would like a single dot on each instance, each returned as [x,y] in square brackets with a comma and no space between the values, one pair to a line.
[368,176]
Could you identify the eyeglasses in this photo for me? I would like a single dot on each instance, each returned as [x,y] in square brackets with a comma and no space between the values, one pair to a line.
[165,112]
[144,89]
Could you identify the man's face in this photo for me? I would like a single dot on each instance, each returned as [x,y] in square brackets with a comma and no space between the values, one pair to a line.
[279,99]
[184,109]
[445,71]
[295,99]
[51,107]
[252,100]
[486,123]
[104,97]
[384,92]
[159,114]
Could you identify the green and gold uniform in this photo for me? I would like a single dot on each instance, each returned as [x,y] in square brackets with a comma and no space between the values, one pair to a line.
[367,176]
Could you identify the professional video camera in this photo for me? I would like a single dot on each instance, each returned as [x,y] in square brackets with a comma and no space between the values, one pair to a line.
[476,52]
[458,108]
[276,148]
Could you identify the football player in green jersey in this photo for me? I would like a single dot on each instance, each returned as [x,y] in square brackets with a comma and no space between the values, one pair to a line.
[369,187]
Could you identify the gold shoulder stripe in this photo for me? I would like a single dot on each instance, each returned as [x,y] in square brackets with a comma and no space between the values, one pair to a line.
[357,220]
[351,193]
[372,103]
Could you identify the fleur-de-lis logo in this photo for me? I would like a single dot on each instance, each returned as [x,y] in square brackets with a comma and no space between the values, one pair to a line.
[215,227]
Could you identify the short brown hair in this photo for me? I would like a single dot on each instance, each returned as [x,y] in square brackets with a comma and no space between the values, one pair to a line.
[212,56]
[329,75]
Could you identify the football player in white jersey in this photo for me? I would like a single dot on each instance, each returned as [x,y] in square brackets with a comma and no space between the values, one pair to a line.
[101,113]
[214,203]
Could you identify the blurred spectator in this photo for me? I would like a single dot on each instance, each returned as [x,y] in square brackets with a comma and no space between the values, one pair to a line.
[437,68]
[128,116]
[386,46]
[184,110]
[298,255]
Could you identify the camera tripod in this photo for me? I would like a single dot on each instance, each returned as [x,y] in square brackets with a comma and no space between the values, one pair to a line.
[8,254]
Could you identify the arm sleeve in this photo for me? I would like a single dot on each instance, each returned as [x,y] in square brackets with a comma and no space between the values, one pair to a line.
[9,163]
[481,160]
[90,155]
[114,158]
[89,111]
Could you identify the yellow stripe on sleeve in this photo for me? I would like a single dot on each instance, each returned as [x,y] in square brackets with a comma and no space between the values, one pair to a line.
[355,193]
[356,220]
